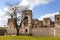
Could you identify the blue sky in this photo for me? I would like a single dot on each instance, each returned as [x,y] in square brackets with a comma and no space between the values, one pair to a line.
[41,9]
[48,8]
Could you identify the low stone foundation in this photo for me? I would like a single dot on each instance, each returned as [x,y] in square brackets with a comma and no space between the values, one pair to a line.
[43,31]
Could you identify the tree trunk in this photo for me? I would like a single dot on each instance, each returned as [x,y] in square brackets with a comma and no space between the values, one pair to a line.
[17,28]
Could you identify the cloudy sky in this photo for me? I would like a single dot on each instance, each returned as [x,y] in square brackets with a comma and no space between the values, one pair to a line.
[41,8]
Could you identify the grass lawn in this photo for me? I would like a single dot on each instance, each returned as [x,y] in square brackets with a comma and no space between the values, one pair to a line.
[28,38]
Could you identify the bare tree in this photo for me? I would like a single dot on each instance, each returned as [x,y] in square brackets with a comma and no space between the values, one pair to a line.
[14,10]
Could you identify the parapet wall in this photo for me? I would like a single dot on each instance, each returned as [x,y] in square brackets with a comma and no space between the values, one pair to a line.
[43,31]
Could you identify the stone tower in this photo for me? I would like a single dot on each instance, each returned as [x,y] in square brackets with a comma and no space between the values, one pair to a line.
[46,22]
[11,28]
[57,21]
[26,23]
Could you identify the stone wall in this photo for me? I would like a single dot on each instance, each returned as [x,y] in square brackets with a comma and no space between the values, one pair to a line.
[57,32]
[43,31]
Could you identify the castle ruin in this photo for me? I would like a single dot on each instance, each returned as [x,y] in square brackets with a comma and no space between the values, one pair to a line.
[34,27]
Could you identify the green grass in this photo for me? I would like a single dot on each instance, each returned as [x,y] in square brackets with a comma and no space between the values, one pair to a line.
[28,38]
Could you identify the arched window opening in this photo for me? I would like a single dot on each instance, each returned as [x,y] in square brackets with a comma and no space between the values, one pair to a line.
[26,21]
[26,30]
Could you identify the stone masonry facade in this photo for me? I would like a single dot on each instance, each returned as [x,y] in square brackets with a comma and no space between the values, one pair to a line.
[34,26]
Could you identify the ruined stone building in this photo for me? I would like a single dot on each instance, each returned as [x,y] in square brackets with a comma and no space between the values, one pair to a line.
[35,27]
[11,29]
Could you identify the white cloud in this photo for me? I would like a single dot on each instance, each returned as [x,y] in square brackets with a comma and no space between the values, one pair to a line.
[3,18]
[1,12]
[49,15]
[33,3]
